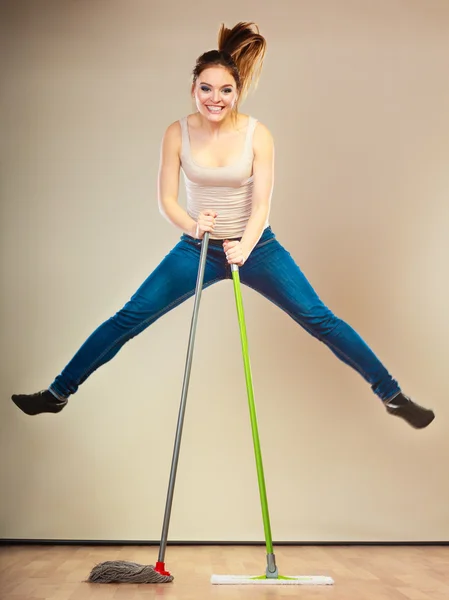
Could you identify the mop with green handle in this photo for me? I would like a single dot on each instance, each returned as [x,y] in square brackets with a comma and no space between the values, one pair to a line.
[271,573]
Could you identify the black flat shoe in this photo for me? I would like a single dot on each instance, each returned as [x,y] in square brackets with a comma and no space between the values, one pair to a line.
[415,415]
[41,402]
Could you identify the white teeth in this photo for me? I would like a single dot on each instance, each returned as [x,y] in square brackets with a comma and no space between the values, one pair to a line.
[216,109]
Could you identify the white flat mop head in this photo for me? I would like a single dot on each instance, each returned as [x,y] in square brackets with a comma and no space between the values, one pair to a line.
[263,580]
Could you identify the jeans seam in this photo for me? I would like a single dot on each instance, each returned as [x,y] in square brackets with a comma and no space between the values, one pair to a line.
[166,309]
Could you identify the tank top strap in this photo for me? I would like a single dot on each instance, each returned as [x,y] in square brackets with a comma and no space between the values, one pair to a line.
[185,141]
[250,134]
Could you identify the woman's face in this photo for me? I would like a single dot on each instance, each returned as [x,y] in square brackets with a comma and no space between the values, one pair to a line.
[215,93]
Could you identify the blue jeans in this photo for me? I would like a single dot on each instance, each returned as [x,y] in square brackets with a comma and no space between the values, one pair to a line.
[270,270]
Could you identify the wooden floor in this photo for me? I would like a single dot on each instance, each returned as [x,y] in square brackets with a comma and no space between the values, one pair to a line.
[360,573]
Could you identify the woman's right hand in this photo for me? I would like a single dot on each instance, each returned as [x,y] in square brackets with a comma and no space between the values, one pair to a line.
[205,222]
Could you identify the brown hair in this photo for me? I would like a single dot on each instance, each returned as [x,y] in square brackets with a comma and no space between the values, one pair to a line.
[241,51]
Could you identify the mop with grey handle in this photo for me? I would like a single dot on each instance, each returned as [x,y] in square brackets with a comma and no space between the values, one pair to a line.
[271,573]
[118,571]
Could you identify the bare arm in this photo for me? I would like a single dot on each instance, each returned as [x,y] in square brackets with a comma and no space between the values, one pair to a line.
[168,181]
[168,188]
[263,172]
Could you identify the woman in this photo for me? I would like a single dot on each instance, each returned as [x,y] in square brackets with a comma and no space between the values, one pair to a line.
[227,160]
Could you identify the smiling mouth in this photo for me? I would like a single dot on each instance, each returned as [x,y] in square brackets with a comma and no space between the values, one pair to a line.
[214,109]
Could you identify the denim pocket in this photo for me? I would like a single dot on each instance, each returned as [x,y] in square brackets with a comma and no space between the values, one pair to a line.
[266,237]
[264,243]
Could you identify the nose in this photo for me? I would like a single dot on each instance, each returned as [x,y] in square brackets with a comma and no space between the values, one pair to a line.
[216,96]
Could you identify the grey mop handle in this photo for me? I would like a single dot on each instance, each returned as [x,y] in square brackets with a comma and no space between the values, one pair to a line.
[182,407]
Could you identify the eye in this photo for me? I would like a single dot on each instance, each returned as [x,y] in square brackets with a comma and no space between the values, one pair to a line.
[204,88]
[227,91]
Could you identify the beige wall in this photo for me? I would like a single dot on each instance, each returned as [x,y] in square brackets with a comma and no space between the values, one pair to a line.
[356,95]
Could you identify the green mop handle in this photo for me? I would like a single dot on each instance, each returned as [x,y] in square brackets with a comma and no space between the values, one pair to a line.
[252,409]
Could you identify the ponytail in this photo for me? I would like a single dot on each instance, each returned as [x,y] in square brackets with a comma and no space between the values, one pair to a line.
[246,48]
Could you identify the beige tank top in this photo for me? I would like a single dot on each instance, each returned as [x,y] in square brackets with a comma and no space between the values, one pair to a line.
[228,190]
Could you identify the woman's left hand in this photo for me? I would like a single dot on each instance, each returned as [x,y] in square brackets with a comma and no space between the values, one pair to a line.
[235,253]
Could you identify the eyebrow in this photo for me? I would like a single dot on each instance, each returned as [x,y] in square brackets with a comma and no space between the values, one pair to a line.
[223,86]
